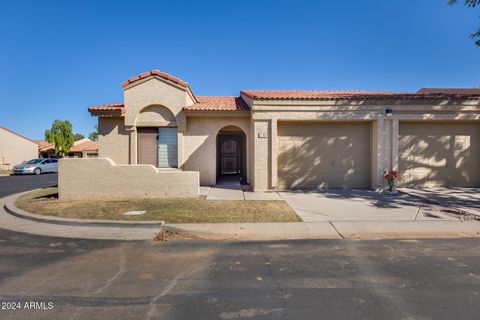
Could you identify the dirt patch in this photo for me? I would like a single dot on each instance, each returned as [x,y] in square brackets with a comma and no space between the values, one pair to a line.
[452,212]
[168,235]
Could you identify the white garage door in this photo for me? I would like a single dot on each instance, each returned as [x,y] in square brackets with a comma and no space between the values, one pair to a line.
[439,154]
[323,155]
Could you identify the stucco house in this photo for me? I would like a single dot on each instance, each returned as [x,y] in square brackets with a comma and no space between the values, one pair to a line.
[295,139]
[45,149]
[15,148]
[83,148]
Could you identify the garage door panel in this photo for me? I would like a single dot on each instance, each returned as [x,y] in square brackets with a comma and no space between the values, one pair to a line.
[439,154]
[321,155]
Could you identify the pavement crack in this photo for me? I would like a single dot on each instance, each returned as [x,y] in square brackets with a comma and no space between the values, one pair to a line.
[336,230]
[166,290]
[277,284]
[418,211]
[121,270]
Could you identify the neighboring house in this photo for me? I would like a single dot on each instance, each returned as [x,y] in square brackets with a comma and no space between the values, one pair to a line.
[45,149]
[84,148]
[296,139]
[15,148]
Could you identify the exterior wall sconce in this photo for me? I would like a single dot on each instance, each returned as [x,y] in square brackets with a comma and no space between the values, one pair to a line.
[388,112]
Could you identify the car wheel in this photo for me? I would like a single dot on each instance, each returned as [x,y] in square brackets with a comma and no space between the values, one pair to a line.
[37,171]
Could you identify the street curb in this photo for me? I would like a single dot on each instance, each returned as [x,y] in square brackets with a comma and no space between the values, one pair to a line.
[13,210]
[264,231]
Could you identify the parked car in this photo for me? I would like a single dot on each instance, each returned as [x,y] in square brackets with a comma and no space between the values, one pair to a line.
[36,166]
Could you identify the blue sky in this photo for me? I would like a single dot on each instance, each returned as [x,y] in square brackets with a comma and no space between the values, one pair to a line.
[59,57]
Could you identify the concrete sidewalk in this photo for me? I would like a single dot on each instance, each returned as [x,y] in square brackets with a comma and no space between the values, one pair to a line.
[330,230]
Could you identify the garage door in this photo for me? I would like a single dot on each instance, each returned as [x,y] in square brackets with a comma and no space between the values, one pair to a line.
[323,155]
[439,154]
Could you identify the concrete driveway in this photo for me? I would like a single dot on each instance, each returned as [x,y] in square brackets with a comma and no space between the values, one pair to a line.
[466,199]
[358,205]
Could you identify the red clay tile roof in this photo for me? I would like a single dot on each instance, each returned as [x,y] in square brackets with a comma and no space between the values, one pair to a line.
[218,103]
[348,94]
[117,106]
[156,73]
[17,134]
[85,146]
[467,91]
[42,144]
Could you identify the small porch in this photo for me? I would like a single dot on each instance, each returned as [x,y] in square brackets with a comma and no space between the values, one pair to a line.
[229,187]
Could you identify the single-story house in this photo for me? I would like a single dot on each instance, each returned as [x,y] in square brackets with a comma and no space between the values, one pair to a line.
[45,149]
[15,149]
[83,148]
[295,139]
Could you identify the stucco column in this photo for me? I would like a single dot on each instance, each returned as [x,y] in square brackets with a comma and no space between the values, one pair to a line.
[133,144]
[273,153]
[377,155]
[261,168]
[390,144]
[395,127]
[180,144]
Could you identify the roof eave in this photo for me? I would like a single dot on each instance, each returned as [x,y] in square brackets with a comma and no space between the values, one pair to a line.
[107,113]
[227,113]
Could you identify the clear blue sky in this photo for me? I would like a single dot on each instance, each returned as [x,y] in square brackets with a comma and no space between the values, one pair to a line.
[59,57]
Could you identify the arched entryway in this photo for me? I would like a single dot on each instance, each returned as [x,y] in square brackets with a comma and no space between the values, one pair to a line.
[231,155]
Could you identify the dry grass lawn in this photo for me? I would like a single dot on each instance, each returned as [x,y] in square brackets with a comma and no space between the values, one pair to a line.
[170,210]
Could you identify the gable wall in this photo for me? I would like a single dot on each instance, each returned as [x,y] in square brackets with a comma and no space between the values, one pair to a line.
[14,150]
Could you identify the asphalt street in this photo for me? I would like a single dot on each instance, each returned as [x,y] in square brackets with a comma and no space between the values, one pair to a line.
[19,183]
[322,279]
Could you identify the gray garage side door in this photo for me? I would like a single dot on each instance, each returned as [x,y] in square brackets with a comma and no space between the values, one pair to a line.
[442,154]
[323,155]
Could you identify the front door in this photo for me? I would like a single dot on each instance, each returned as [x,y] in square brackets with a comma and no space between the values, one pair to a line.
[230,157]
[147,146]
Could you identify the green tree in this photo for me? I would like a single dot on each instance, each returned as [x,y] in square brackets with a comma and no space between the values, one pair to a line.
[94,134]
[61,136]
[78,136]
[471,4]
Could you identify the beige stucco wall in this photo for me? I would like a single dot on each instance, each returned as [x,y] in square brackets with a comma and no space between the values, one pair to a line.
[15,149]
[144,101]
[155,91]
[384,129]
[101,177]
[197,133]
[113,140]
[200,144]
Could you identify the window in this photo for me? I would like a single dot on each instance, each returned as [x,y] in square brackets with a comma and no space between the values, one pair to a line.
[34,161]
[167,148]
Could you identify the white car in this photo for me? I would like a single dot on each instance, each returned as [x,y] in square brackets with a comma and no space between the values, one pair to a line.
[36,166]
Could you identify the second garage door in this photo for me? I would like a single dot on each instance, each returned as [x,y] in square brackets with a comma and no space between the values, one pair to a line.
[439,154]
[323,155]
